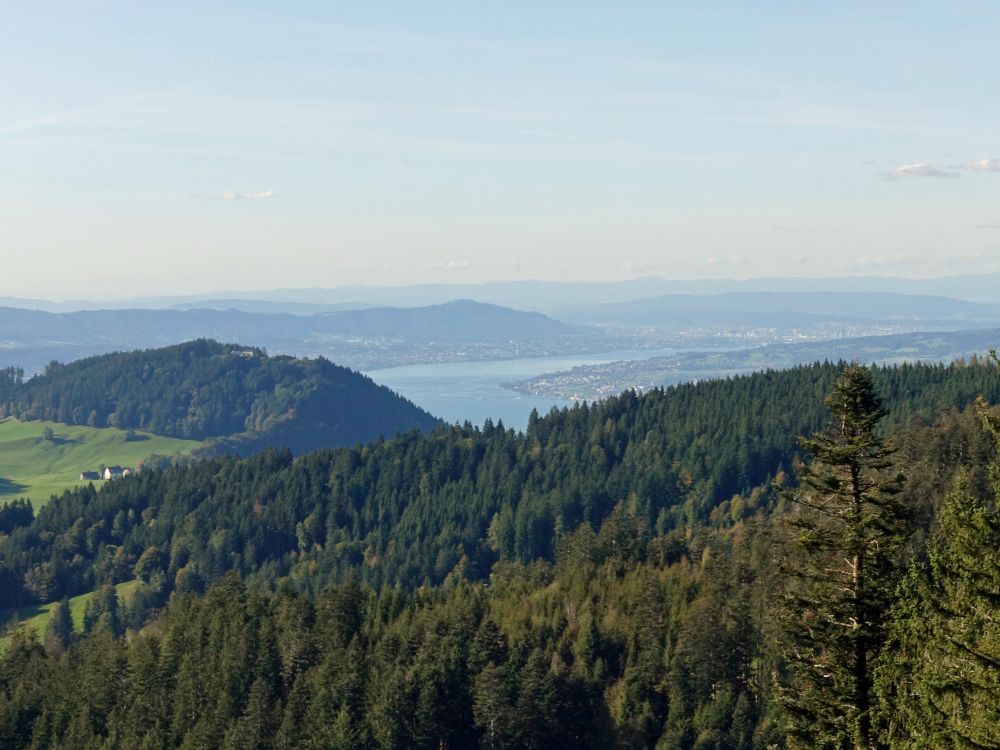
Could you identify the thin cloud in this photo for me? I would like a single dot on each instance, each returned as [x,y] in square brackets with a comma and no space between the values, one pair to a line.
[982,165]
[918,169]
[232,195]
[988,225]
[449,265]
[732,260]
[75,115]
[41,122]
[260,195]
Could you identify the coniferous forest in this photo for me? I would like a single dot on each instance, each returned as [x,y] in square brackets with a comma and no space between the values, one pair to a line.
[798,559]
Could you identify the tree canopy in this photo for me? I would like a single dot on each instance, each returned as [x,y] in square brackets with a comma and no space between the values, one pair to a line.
[608,578]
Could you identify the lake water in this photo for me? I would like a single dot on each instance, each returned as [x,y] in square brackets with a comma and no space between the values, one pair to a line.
[459,391]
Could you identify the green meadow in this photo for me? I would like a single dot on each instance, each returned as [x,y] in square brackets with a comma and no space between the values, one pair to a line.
[35,467]
[36,616]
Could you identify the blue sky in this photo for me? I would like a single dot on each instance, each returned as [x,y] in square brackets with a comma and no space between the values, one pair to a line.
[188,147]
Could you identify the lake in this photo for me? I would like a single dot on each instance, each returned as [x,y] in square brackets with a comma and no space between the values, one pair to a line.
[459,391]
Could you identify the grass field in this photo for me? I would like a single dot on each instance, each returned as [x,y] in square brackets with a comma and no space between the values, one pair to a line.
[36,468]
[36,617]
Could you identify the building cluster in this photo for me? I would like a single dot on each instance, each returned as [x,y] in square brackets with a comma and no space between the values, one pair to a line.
[110,472]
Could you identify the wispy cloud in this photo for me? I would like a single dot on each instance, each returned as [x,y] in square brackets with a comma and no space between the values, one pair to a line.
[41,122]
[867,261]
[918,169]
[732,260]
[988,225]
[232,195]
[923,169]
[229,195]
[982,165]
[75,115]
[449,265]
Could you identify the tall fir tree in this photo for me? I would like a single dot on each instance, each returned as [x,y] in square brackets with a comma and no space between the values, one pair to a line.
[841,571]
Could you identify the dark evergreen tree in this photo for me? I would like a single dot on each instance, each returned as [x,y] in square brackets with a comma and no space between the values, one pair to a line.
[843,571]
[102,611]
[59,630]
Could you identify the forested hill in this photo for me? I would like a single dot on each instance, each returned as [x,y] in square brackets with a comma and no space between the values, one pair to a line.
[237,398]
[416,509]
[613,577]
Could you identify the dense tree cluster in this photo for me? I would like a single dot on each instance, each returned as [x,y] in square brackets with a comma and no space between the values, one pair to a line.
[11,380]
[606,579]
[415,509]
[201,390]
[599,649]
[15,513]
[939,677]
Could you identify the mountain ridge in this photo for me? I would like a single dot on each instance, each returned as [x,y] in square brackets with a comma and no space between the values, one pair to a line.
[546,295]
[32,338]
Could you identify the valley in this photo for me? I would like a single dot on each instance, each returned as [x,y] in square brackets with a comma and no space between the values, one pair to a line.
[499,376]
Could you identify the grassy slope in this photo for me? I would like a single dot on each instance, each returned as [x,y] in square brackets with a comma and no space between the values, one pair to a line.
[36,468]
[36,616]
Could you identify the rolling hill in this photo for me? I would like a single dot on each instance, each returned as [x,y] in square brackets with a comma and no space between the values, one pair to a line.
[233,398]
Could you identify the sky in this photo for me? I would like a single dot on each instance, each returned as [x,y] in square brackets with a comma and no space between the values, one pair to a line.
[185,147]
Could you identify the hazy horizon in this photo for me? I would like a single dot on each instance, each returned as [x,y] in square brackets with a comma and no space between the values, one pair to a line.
[274,293]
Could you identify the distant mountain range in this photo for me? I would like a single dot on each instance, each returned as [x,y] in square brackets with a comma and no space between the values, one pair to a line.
[545,296]
[461,322]
[358,338]
[369,338]
[786,308]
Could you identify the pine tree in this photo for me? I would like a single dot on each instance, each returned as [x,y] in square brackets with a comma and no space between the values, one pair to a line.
[536,707]
[493,708]
[842,571]
[103,611]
